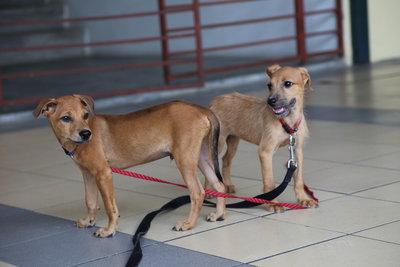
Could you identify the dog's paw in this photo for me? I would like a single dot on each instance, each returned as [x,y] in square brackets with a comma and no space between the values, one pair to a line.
[85,223]
[230,188]
[104,232]
[309,203]
[183,226]
[275,208]
[213,217]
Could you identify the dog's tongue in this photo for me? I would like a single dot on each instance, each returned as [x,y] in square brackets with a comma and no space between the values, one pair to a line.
[279,110]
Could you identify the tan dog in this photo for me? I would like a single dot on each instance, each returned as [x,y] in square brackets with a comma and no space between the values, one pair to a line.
[183,131]
[257,121]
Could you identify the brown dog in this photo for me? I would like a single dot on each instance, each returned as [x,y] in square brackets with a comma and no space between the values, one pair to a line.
[183,131]
[257,121]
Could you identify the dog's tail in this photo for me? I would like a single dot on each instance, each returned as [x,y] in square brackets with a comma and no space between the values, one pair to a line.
[213,143]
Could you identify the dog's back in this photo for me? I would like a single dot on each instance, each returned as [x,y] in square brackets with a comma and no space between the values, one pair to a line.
[236,114]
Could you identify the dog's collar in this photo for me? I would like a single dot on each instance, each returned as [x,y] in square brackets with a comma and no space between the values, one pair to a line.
[289,129]
[70,153]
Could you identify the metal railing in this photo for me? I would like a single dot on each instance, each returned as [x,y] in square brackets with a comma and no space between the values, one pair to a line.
[169,59]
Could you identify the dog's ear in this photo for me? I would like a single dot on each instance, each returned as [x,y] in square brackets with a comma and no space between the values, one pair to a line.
[271,69]
[46,107]
[306,78]
[88,102]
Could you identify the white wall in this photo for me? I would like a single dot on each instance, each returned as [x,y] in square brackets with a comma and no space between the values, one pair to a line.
[384,32]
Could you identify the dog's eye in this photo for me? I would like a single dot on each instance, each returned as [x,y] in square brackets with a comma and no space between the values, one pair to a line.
[66,119]
[288,84]
[86,116]
[269,86]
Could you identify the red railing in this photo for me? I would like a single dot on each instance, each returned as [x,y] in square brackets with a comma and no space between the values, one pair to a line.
[169,58]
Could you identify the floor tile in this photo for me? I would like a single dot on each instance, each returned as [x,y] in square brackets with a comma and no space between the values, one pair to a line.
[345,251]
[19,181]
[344,151]
[4,264]
[239,241]
[356,132]
[161,229]
[388,232]
[350,178]
[41,197]
[128,203]
[388,192]
[25,225]
[66,169]
[344,214]
[389,161]
[65,253]
[288,196]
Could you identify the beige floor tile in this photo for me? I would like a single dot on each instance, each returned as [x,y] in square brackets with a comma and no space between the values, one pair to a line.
[345,251]
[344,214]
[5,172]
[350,178]
[21,181]
[3,264]
[356,132]
[161,227]
[344,151]
[30,159]
[388,232]
[70,210]
[46,196]
[389,161]
[65,170]
[34,137]
[287,196]
[388,192]
[254,239]
[129,203]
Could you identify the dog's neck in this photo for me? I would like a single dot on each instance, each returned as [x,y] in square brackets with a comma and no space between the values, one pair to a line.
[70,148]
[292,122]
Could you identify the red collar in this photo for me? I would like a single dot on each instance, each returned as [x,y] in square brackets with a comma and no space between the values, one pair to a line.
[289,129]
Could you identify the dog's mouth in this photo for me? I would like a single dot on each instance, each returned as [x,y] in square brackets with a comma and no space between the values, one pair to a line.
[81,141]
[284,110]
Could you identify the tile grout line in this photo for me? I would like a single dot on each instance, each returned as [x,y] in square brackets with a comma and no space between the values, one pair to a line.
[299,248]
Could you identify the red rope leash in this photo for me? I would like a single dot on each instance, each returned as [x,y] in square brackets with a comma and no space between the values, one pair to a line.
[214,193]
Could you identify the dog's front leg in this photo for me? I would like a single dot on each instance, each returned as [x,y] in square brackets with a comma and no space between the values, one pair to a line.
[105,184]
[302,197]
[91,197]
[265,153]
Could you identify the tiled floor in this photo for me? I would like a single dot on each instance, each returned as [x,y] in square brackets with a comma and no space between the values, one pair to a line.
[352,164]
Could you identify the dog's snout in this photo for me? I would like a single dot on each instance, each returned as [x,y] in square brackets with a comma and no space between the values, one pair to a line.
[85,134]
[272,101]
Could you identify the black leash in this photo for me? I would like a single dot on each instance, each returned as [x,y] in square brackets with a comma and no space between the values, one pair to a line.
[144,225]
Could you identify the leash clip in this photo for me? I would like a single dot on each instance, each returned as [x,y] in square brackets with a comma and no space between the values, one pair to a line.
[292,145]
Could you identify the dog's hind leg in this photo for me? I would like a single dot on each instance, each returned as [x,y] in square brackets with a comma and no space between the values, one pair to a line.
[187,165]
[232,143]
[207,168]
[91,198]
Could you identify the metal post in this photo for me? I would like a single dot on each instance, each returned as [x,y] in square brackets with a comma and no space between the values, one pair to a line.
[300,30]
[199,43]
[1,92]
[164,40]
[339,17]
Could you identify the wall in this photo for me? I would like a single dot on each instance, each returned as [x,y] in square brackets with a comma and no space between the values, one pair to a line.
[384,22]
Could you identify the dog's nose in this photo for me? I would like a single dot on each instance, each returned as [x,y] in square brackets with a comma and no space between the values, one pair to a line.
[85,134]
[271,101]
